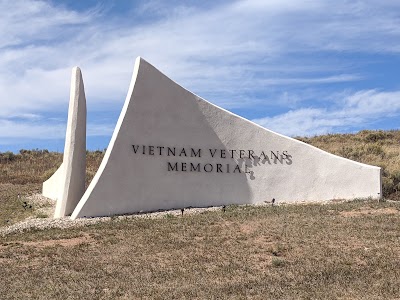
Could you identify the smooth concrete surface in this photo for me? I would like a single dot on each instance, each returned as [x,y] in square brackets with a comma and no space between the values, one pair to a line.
[67,185]
[52,186]
[172,149]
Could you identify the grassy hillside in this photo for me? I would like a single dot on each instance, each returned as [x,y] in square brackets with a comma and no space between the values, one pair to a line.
[378,148]
[346,250]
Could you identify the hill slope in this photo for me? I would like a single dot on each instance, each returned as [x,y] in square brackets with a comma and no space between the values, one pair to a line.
[333,251]
[379,148]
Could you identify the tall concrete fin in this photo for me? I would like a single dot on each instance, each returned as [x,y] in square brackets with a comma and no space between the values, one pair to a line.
[74,162]
[67,184]
[173,149]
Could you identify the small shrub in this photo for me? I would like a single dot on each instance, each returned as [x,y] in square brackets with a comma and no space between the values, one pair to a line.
[375,150]
[278,262]
[7,156]
[376,136]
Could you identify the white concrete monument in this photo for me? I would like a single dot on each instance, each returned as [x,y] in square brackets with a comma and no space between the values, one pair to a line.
[173,149]
[67,184]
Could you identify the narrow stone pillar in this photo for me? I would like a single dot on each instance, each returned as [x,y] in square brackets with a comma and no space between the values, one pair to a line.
[72,180]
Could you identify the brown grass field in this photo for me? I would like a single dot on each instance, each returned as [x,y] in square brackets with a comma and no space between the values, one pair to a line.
[339,250]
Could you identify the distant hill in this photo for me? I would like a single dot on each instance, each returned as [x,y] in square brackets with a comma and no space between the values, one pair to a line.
[379,148]
[339,250]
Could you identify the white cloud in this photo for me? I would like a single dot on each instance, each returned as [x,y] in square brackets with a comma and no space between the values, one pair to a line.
[11,129]
[357,109]
[24,21]
[321,80]
[236,51]
[373,103]
[18,130]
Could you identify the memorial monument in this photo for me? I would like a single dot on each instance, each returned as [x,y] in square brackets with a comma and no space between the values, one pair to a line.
[173,149]
[67,184]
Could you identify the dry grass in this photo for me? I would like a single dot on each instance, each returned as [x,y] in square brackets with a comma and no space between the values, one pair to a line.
[36,166]
[347,250]
[285,252]
[12,208]
[23,173]
[378,148]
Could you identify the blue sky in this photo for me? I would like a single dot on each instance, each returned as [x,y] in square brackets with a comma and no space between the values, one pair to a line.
[300,68]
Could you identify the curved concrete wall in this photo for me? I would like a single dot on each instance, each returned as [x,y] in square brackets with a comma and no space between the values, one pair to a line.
[172,149]
[52,186]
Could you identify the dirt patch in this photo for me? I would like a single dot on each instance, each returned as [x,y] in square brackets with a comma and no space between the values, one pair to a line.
[85,239]
[248,228]
[370,211]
